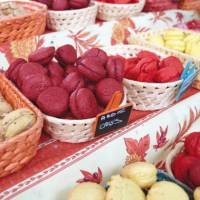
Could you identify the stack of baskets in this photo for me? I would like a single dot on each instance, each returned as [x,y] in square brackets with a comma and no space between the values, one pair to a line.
[19,150]
[20,19]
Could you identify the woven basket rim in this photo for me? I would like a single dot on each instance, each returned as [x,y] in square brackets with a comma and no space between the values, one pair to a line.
[41,7]
[160,54]
[120,5]
[79,121]
[92,5]
[147,84]
[39,115]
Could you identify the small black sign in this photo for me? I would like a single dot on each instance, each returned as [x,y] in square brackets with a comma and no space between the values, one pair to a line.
[112,120]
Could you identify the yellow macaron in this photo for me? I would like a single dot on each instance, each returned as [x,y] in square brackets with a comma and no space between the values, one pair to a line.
[174,35]
[178,45]
[156,39]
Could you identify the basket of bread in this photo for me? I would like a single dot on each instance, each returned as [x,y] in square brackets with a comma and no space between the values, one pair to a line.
[20,128]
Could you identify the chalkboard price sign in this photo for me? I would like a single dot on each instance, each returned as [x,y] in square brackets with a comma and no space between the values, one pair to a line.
[112,120]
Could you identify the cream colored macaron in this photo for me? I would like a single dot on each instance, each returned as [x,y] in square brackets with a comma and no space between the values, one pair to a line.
[142,173]
[123,189]
[174,35]
[16,122]
[178,45]
[195,50]
[156,39]
[191,40]
[87,191]
[165,190]
[5,107]
[197,193]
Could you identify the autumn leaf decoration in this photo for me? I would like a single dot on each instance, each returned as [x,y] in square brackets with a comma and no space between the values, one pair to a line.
[160,16]
[120,31]
[161,138]
[194,114]
[84,41]
[137,150]
[179,17]
[89,177]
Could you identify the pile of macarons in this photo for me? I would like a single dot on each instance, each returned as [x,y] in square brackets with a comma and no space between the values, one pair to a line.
[178,40]
[60,5]
[66,86]
[149,67]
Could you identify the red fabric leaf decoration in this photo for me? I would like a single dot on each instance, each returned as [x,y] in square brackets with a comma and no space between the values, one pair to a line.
[144,145]
[131,145]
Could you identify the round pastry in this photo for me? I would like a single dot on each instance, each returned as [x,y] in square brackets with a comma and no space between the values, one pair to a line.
[46,2]
[96,53]
[197,193]
[34,85]
[175,44]
[60,5]
[42,56]
[174,35]
[16,122]
[147,54]
[73,82]
[106,88]
[27,70]
[87,191]
[165,190]
[115,68]
[5,107]
[166,74]
[83,104]
[172,62]
[123,189]
[53,101]
[142,173]
[78,4]
[12,72]
[69,69]
[190,41]
[195,51]
[92,69]
[193,176]
[56,80]
[157,40]
[66,55]
[54,69]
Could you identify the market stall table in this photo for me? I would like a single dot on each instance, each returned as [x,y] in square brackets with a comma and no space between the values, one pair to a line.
[54,158]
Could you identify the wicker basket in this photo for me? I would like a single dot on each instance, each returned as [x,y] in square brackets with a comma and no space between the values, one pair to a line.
[73,131]
[109,11]
[170,52]
[146,96]
[190,5]
[21,19]
[19,150]
[72,19]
